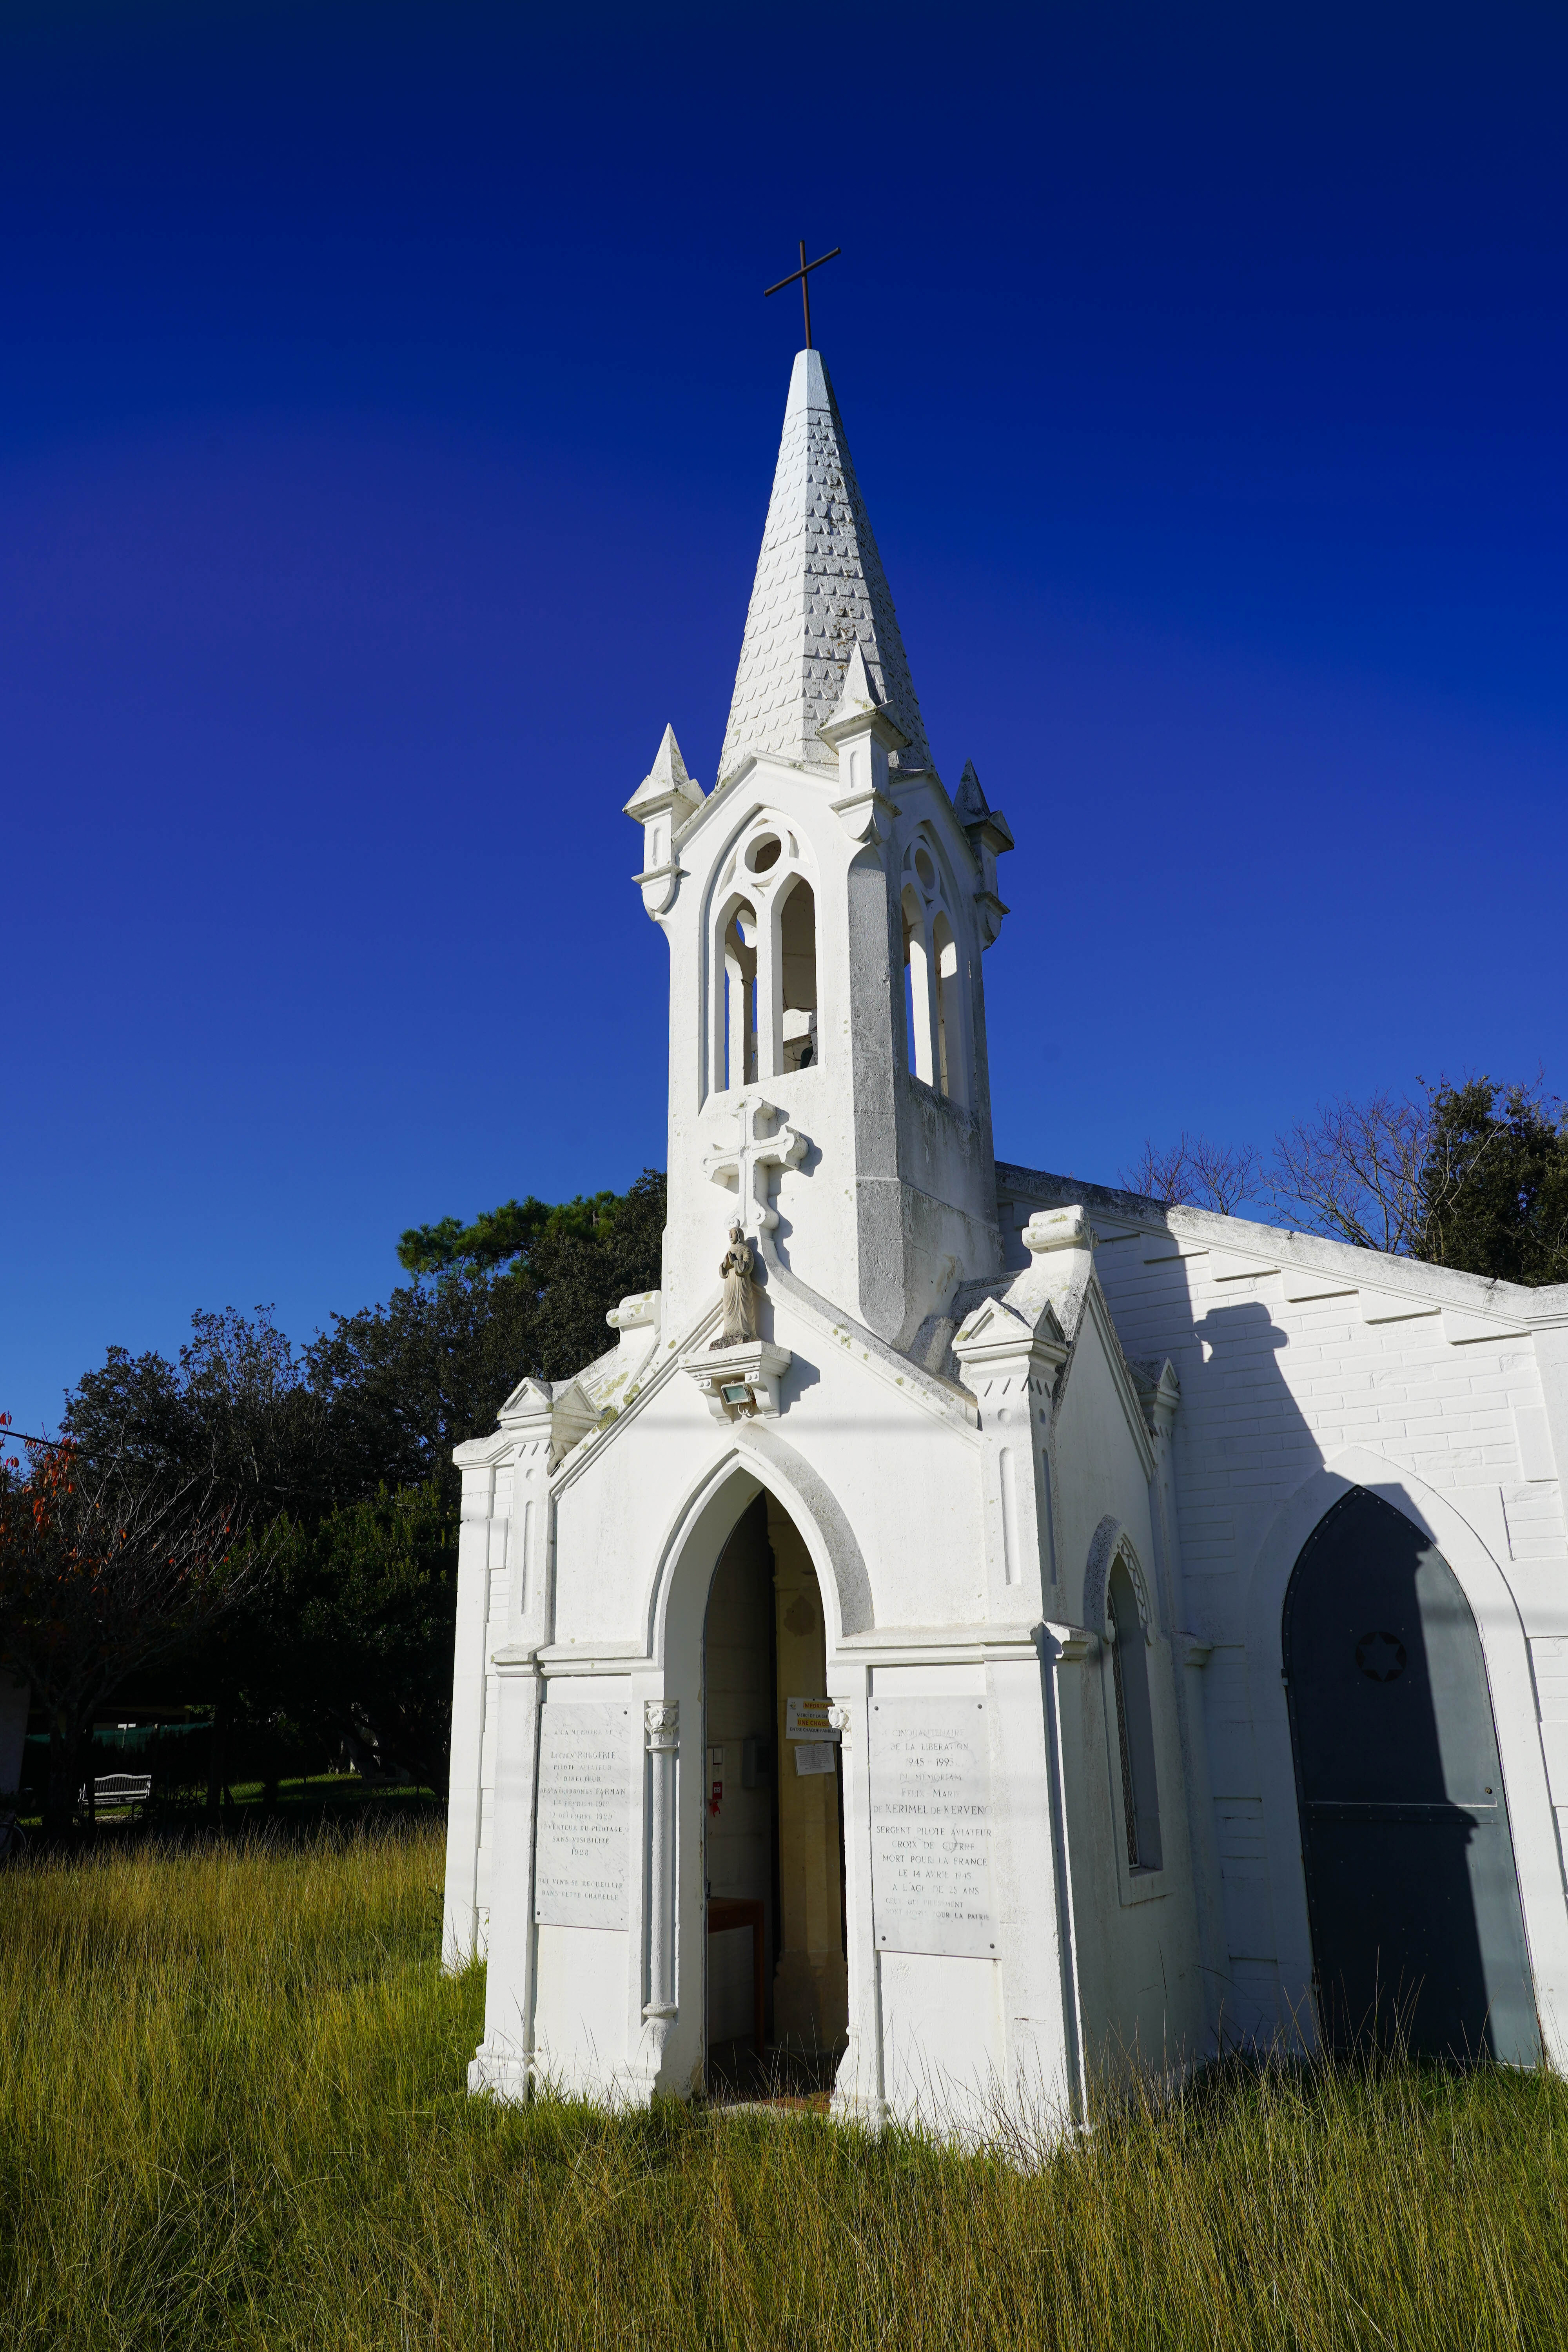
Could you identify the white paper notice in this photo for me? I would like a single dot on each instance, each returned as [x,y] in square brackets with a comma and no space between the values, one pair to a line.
[585,1825]
[931,1827]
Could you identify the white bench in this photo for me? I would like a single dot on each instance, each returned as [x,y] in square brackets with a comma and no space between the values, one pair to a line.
[120,1792]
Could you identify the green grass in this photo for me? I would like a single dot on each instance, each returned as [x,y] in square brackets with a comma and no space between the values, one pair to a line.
[232,2113]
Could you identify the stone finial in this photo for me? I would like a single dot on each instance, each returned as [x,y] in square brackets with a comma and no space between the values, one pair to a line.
[970,803]
[665,786]
[859,693]
[1059,1229]
[990,838]
[665,799]
[635,1313]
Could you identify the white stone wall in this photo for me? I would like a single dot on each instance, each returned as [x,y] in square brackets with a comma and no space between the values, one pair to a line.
[1292,1356]
[484,1591]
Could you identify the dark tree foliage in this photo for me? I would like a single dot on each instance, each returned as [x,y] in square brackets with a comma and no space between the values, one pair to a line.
[105,1567]
[513,1230]
[236,1409]
[348,1649]
[1495,1182]
[349,1441]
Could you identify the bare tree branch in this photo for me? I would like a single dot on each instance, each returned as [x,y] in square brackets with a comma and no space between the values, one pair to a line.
[1357,1173]
[1196,1172]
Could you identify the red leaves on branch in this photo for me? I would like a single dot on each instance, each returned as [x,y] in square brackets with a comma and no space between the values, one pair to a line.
[102,1569]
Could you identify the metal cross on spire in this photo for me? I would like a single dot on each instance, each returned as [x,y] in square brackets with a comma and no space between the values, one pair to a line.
[804,274]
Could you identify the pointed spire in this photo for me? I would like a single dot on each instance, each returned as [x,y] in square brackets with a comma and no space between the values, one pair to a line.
[969,804]
[819,599]
[666,784]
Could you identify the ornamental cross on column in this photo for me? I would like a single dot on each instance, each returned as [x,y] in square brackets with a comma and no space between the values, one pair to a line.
[743,1162]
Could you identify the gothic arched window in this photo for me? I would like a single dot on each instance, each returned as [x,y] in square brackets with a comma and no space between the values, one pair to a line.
[740,997]
[916,989]
[933,995]
[1134,1720]
[764,1012]
[797,974]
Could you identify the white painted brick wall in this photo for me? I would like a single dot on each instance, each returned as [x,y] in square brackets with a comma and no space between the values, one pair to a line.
[1274,1384]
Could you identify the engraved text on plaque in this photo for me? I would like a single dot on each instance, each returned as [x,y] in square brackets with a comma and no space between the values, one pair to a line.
[584,1784]
[930,1826]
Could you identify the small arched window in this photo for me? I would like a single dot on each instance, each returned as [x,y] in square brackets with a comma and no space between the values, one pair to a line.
[797,967]
[1135,1721]
[740,997]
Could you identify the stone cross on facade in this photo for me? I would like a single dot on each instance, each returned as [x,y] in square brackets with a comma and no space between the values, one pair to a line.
[742,1162]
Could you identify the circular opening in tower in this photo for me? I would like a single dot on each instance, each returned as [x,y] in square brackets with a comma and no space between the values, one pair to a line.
[926,870]
[762,853]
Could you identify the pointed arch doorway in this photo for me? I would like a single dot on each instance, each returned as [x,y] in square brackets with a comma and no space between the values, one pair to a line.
[1412,1892]
[776,2000]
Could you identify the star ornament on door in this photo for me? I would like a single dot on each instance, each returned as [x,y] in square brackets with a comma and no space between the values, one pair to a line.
[1380,1657]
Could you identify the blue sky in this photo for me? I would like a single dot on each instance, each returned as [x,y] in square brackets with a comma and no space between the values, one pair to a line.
[387,413]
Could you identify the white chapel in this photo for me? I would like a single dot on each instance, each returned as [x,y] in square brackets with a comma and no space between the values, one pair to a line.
[973,1630]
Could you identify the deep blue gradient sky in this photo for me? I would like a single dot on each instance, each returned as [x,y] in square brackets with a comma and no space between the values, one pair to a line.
[387,414]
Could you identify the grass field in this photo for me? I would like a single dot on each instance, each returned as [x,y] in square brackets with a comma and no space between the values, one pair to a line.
[232,2113]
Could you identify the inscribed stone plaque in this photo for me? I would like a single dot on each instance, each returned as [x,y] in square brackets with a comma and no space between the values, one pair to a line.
[931,1827]
[584,1827]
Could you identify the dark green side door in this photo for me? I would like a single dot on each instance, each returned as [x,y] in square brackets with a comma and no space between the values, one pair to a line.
[1411,1886]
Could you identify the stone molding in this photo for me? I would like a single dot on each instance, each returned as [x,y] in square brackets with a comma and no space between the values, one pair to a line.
[756,1366]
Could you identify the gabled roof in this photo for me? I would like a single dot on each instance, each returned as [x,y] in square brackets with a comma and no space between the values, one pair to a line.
[820,590]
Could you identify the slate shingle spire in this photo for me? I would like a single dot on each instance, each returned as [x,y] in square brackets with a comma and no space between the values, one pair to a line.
[819,590]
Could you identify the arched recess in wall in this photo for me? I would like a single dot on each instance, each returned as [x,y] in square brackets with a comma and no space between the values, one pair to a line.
[1496,1612]
[1411,1884]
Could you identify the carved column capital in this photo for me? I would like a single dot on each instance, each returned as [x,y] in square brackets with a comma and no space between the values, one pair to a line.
[661,1724]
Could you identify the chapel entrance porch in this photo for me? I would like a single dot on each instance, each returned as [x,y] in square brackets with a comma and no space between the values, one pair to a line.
[777,2006]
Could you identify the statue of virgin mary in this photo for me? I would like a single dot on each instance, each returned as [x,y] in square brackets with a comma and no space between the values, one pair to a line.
[739,1293]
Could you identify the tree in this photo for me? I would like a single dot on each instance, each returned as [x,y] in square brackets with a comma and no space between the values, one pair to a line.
[1495,1182]
[349,1442]
[513,1293]
[236,1409]
[103,1568]
[1196,1173]
[1357,1173]
[1473,1176]
[512,1231]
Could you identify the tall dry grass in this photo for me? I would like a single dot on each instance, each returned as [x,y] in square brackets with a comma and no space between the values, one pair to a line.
[232,2113]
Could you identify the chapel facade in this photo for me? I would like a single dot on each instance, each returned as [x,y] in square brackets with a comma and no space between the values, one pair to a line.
[1000,1629]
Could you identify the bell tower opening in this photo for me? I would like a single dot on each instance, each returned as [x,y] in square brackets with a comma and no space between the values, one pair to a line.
[777,2001]
[740,997]
[797,961]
